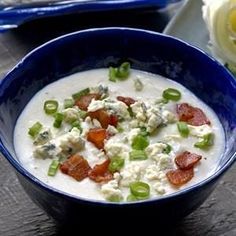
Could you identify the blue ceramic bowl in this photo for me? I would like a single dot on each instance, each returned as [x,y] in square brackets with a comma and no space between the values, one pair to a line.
[97,48]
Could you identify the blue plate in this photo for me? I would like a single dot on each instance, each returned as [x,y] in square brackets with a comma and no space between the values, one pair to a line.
[13,16]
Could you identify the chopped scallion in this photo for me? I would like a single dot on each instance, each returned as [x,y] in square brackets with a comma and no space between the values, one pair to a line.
[58,120]
[116,164]
[123,71]
[120,73]
[76,124]
[112,74]
[183,129]
[140,189]
[137,155]
[78,95]
[206,142]
[35,129]
[115,198]
[131,198]
[50,106]
[171,94]
[140,142]
[68,103]
[53,168]
[82,114]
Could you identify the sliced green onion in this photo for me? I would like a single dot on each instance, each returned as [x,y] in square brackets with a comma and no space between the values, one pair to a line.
[171,94]
[207,141]
[143,131]
[131,198]
[183,129]
[53,168]
[140,142]
[123,71]
[115,199]
[137,155]
[35,129]
[167,149]
[116,164]
[58,120]
[78,95]
[140,189]
[138,85]
[120,73]
[50,106]
[82,114]
[112,74]
[77,124]
[68,103]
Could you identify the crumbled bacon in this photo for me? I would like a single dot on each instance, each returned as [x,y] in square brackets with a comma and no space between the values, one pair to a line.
[179,177]
[97,137]
[191,115]
[100,172]
[76,166]
[104,118]
[187,160]
[84,101]
[127,100]
[113,120]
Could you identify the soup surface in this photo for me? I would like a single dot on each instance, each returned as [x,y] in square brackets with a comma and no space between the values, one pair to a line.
[127,138]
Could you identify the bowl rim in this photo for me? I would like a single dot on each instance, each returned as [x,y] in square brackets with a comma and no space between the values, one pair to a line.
[30,177]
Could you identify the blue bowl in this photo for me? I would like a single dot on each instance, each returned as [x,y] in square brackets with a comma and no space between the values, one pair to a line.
[96,48]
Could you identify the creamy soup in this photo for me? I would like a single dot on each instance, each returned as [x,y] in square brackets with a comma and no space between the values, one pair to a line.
[132,137]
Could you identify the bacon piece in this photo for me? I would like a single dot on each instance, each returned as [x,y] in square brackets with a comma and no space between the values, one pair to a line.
[100,172]
[187,160]
[127,100]
[192,115]
[76,166]
[97,137]
[179,177]
[104,118]
[84,101]
[113,120]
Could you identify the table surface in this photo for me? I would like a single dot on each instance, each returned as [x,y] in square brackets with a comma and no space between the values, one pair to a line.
[18,214]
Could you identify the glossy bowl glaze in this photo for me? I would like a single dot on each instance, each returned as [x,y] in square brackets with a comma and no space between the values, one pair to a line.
[96,48]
